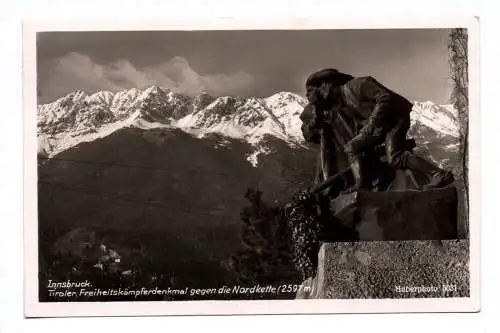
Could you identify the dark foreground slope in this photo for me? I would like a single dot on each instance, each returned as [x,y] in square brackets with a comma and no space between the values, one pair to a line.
[164,201]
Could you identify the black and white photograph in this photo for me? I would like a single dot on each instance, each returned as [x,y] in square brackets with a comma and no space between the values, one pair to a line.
[178,166]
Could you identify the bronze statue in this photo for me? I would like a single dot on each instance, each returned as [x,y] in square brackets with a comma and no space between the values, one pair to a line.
[352,118]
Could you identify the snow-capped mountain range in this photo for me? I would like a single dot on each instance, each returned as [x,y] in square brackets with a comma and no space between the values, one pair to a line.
[79,117]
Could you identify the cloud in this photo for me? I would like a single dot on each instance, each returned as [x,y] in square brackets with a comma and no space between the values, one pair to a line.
[78,71]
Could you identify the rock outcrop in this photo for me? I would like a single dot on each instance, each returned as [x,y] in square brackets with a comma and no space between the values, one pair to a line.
[390,269]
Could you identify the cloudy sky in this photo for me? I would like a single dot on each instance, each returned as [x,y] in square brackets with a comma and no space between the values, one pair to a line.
[247,63]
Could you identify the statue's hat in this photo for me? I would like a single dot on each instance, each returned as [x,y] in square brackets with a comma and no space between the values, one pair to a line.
[330,75]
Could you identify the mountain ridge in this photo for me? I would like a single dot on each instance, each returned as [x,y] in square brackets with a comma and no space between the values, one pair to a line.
[80,117]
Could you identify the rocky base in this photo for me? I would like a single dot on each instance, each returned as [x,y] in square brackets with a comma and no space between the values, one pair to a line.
[390,269]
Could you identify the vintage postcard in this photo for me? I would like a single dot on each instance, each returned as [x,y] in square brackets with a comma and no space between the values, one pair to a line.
[243,167]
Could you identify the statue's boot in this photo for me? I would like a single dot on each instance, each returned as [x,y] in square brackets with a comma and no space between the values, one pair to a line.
[439,177]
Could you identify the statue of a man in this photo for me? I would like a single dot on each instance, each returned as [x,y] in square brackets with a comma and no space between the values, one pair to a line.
[371,115]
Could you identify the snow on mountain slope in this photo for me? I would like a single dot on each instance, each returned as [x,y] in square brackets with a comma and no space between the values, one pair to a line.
[78,113]
[78,117]
[287,108]
[52,144]
[123,101]
[435,128]
[443,119]
[250,119]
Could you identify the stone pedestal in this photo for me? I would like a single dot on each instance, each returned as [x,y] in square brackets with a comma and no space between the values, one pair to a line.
[399,215]
[390,269]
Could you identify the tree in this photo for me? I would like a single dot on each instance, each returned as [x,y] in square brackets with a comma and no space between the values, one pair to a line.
[458,61]
[266,256]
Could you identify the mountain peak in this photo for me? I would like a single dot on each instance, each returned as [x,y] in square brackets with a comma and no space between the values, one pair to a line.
[202,100]
[284,98]
[103,96]
[73,97]
[442,118]
[153,91]
[286,94]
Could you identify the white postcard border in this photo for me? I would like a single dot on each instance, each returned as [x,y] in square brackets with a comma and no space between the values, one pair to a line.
[34,308]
